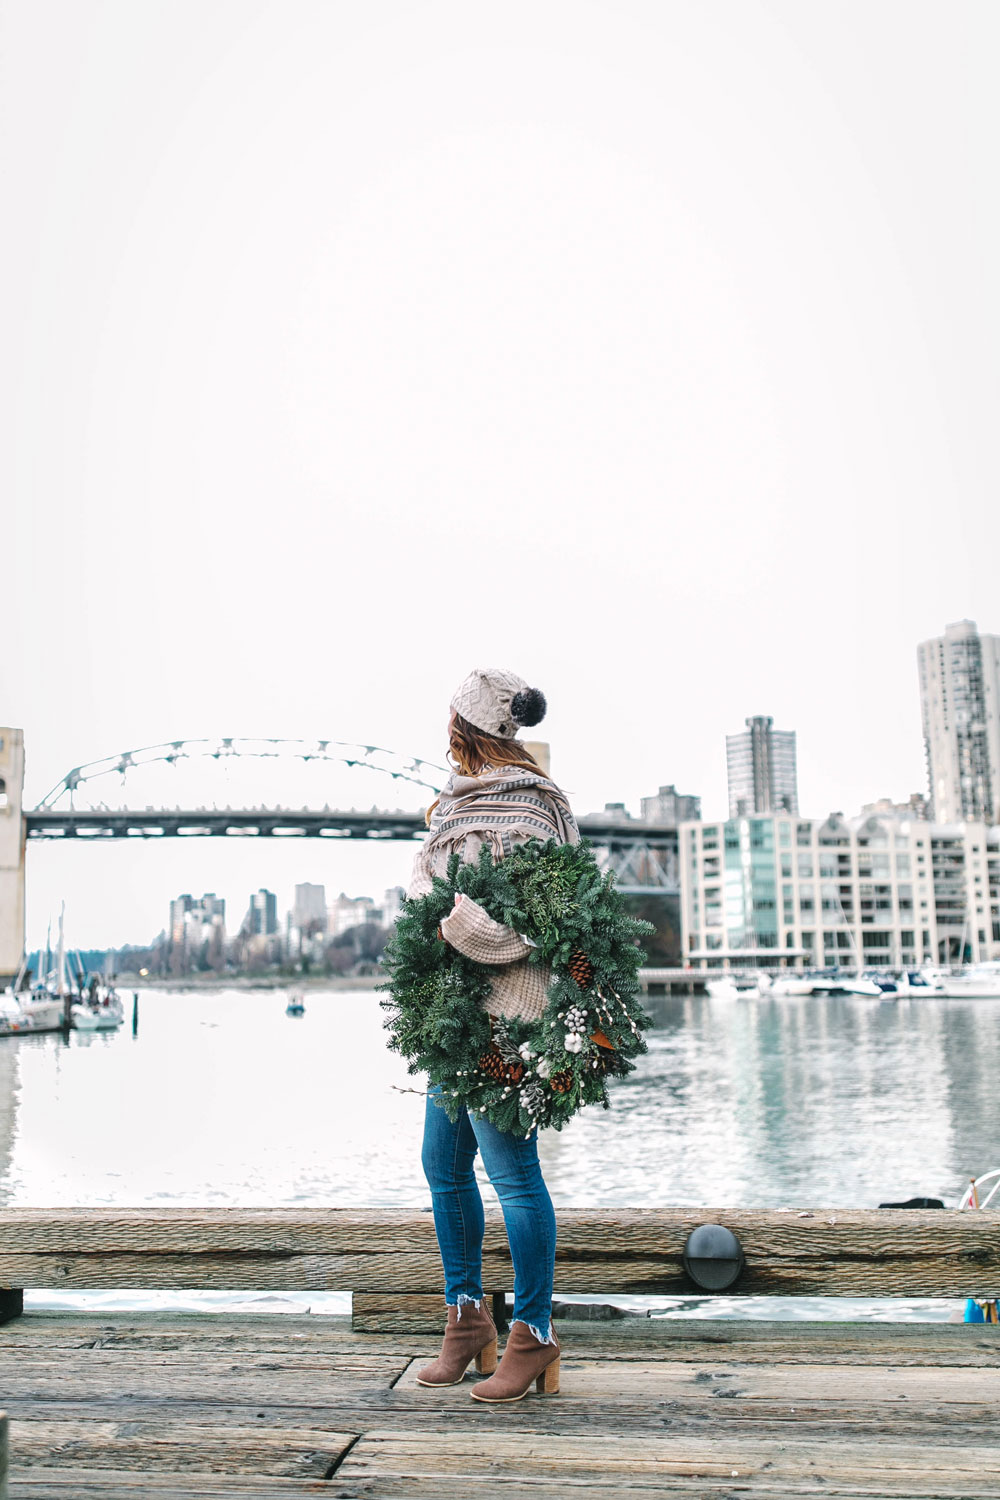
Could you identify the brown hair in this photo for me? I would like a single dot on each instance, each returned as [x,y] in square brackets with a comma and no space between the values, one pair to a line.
[471,750]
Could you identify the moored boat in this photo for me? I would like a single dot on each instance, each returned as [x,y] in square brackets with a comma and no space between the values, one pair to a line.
[978,982]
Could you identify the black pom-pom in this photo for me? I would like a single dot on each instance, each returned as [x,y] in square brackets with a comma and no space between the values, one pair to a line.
[528,707]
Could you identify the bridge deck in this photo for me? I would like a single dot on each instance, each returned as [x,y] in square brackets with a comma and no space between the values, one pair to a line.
[167,1405]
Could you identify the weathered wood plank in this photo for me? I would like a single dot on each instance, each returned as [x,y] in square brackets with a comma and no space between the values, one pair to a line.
[836,1252]
[219,1448]
[613,1381]
[517,1461]
[377,1312]
[99,1484]
[311,1380]
[957,1425]
[684,1338]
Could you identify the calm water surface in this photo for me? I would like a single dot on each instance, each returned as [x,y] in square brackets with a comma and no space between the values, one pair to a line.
[222,1099]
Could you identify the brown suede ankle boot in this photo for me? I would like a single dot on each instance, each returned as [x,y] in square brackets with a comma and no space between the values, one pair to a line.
[471,1336]
[524,1360]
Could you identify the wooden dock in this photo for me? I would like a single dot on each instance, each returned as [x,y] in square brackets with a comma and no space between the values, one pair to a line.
[238,1405]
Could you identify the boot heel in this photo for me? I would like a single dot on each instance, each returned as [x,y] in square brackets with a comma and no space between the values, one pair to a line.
[486,1359]
[548,1381]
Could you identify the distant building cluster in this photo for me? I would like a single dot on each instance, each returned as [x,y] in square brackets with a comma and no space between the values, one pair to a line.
[336,937]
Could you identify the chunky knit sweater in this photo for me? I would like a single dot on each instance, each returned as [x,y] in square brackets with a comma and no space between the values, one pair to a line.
[501,807]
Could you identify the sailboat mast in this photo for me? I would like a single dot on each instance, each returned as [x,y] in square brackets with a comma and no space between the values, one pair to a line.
[61,976]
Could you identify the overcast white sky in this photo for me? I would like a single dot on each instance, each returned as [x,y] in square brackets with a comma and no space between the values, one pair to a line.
[648,349]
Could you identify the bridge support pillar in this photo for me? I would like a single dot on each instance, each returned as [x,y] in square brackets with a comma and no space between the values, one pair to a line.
[12,837]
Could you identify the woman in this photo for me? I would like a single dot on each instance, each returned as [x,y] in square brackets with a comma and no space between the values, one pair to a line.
[497,796]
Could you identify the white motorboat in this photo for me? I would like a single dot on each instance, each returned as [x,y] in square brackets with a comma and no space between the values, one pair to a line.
[923,982]
[739,986]
[845,984]
[979,982]
[792,984]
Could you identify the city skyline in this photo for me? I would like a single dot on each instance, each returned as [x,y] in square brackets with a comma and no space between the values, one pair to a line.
[761,767]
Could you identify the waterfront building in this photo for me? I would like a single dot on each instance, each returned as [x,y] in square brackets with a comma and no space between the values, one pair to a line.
[760,761]
[308,912]
[197,931]
[542,752]
[392,904]
[670,807]
[11,852]
[347,912]
[960,710]
[883,890]
[916,807]
[261,919]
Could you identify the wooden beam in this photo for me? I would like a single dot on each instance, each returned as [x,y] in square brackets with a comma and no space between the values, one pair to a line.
[386,1312]
[822,1252]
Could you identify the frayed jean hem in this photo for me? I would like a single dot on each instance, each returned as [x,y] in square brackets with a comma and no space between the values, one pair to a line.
[463,1300]
[549,1337]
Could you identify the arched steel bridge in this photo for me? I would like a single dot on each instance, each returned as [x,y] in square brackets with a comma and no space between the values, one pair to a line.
[642,855]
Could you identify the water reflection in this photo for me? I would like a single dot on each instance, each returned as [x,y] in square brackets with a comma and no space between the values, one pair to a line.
[222,1099]
[770,1103]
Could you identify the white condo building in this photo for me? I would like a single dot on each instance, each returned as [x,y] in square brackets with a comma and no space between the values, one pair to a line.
[960,708]
[871,891]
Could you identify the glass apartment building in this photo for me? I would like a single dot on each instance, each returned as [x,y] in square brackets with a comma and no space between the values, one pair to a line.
[960,710]
[781,891]
[760,762]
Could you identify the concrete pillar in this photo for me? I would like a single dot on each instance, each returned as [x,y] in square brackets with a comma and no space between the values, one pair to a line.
[11,851]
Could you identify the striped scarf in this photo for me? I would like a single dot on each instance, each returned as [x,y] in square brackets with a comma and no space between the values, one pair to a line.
[503,806]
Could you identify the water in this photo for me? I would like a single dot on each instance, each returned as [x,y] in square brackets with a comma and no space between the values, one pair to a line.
[222,1099]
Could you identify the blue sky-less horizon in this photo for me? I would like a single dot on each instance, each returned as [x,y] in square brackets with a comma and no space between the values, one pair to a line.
[648,349]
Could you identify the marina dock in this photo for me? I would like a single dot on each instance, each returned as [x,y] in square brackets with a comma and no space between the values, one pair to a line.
[236,1405]
[240,1404]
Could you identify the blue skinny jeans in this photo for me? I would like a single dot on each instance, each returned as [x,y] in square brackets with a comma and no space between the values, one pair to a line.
[511,1162]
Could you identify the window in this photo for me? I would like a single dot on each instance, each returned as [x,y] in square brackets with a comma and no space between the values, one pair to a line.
[3,786]
[805,867]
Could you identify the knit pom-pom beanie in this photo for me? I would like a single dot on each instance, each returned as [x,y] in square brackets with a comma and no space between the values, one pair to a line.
[498,702]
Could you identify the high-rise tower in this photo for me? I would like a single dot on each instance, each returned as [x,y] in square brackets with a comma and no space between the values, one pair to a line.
[761,766]
[11,851]
[960,708]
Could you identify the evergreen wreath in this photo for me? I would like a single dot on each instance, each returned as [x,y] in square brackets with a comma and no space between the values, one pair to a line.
[520,1074]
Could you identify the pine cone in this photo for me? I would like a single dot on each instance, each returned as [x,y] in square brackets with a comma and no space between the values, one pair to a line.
[581,969]
[492,1064]
[562,1082]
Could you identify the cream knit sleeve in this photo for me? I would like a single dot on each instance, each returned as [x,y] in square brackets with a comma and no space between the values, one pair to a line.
[471,930]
